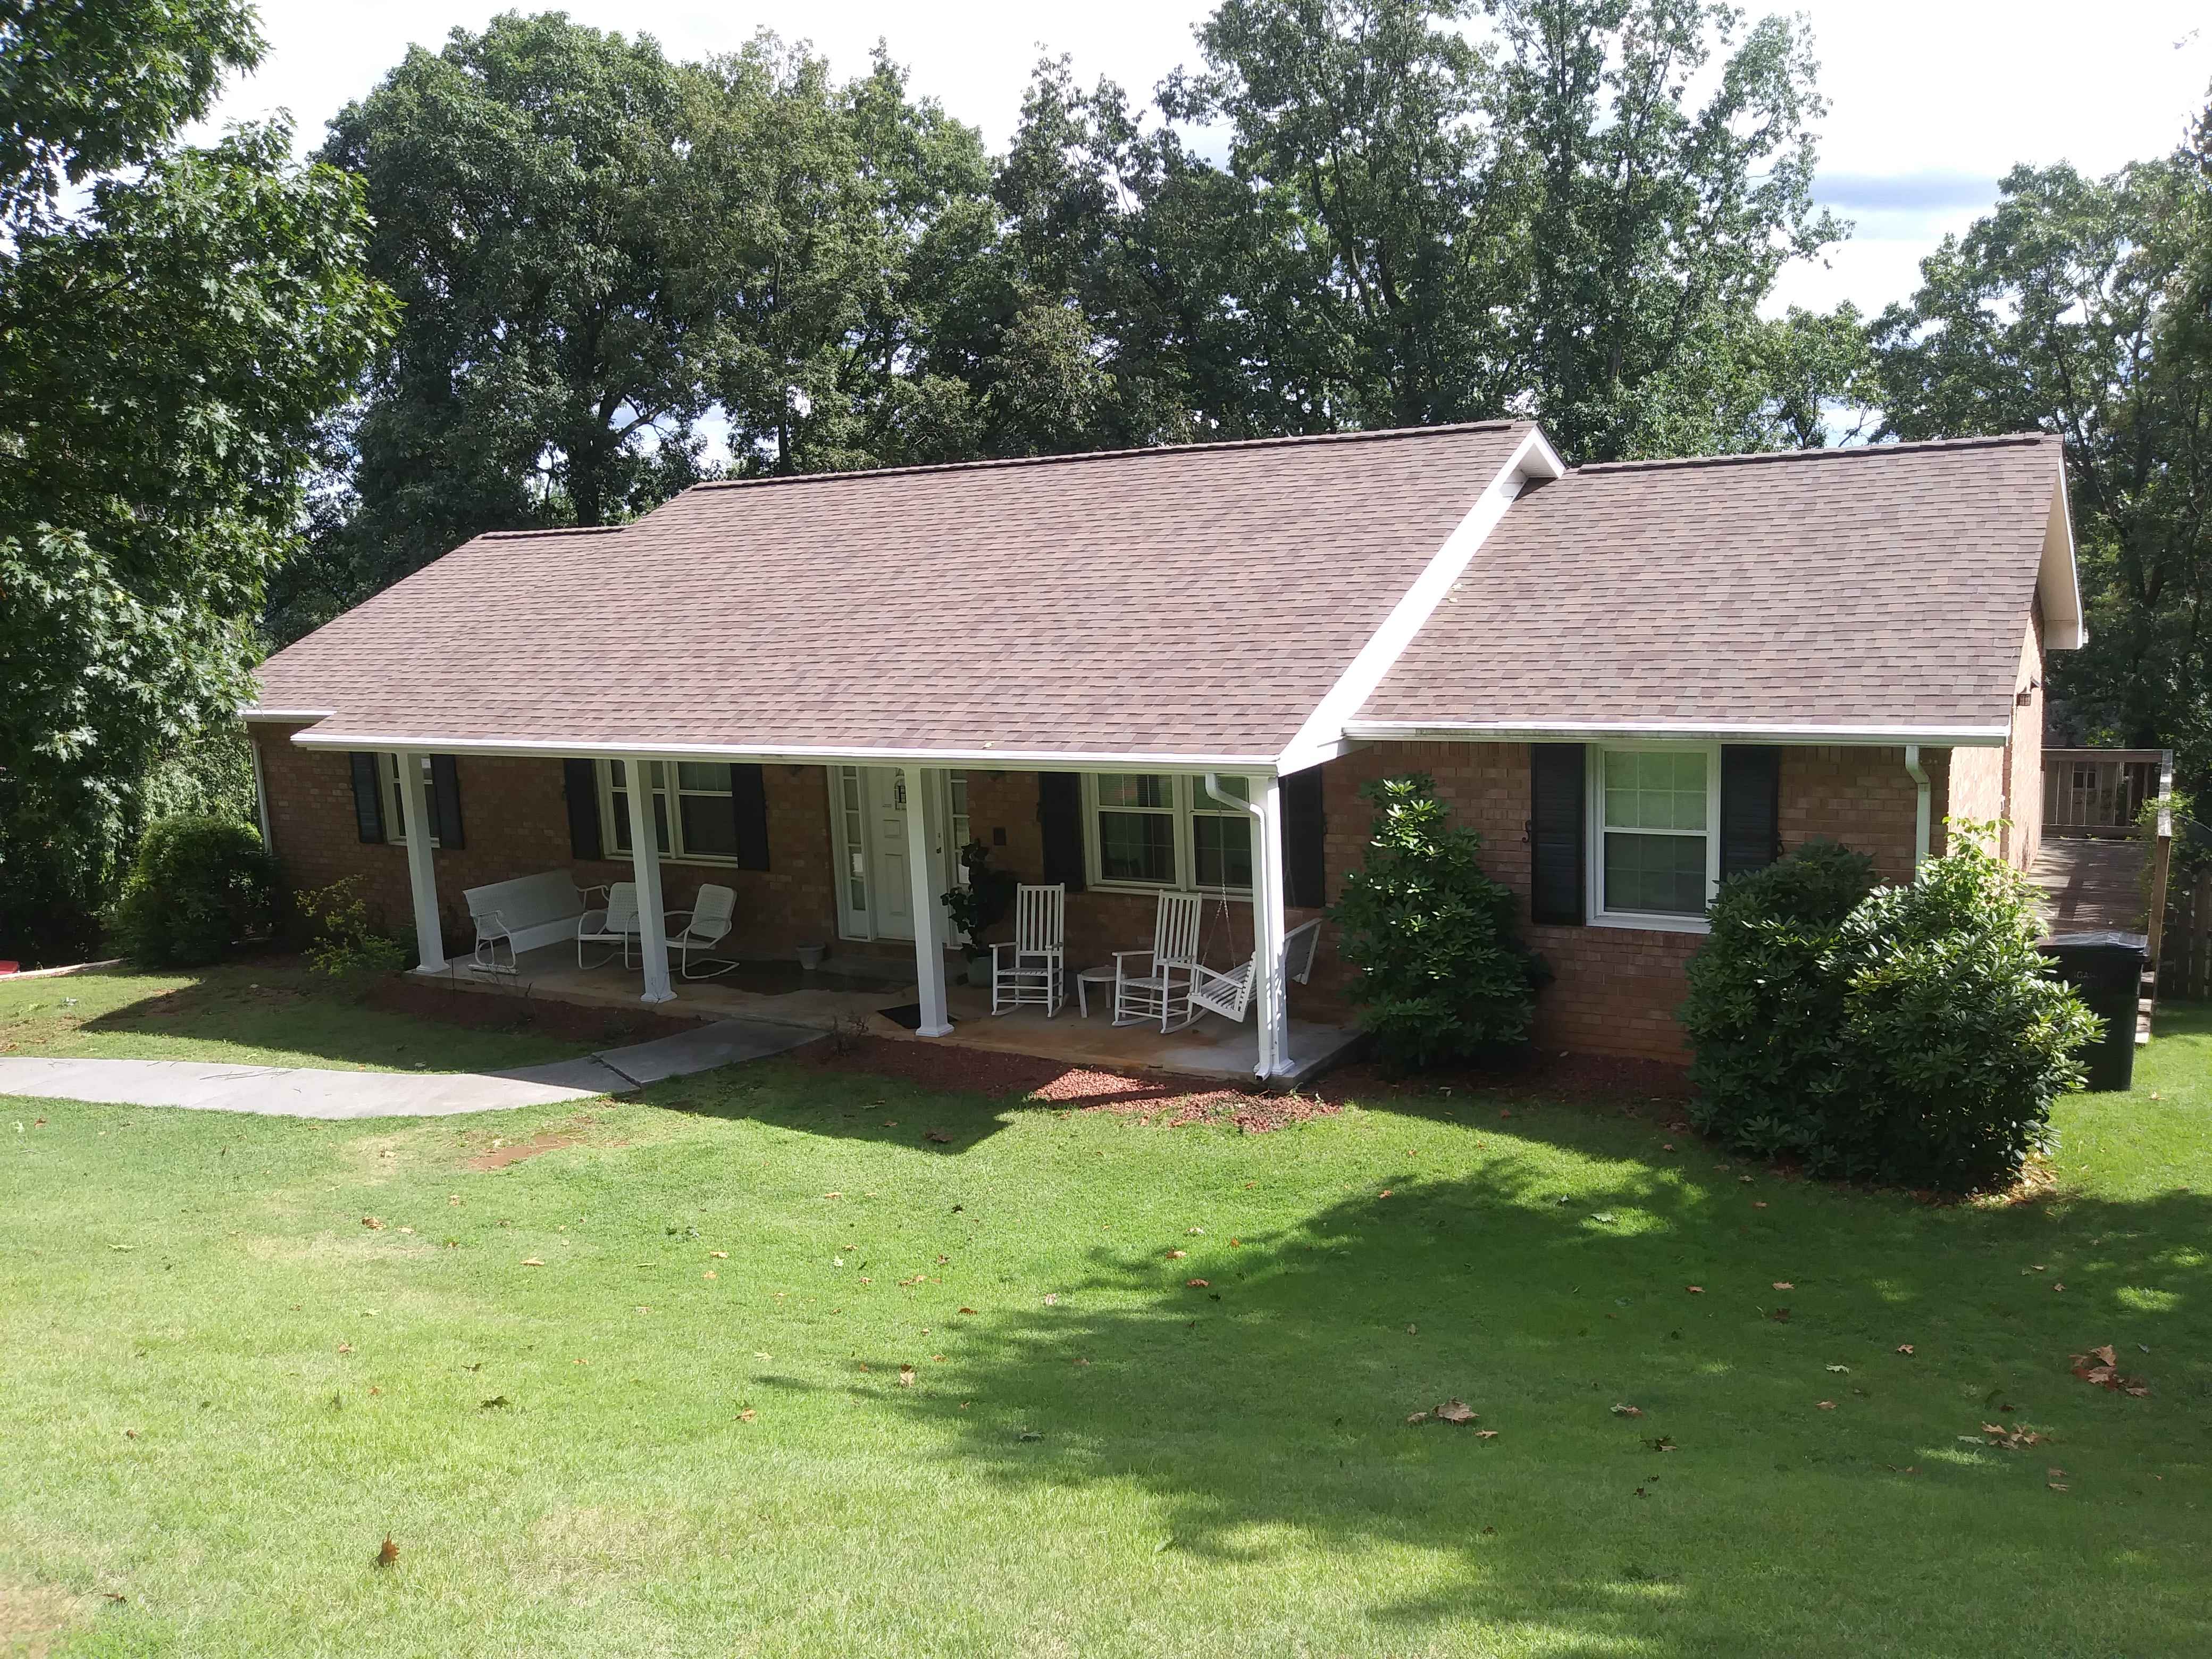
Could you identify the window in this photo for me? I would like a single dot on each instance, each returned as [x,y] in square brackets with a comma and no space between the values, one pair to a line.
[395,815]
[1653,856]
[695,818]
[1153,829]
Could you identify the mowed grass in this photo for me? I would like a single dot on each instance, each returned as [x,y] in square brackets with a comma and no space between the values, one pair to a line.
[689,1429]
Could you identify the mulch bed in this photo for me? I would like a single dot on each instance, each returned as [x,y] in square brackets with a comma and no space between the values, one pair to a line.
[481,1011]
[1548,1074]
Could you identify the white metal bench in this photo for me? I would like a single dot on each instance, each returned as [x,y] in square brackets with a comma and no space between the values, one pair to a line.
[522,914]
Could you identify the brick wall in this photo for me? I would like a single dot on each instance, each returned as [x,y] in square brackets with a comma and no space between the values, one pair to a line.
[515,823]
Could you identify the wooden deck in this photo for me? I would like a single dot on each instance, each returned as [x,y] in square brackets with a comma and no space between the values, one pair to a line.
[2091,886]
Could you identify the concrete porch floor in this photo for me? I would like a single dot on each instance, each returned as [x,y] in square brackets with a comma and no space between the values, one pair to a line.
[854,989]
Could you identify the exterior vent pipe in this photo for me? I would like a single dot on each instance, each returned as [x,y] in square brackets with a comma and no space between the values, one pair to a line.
[1922,830]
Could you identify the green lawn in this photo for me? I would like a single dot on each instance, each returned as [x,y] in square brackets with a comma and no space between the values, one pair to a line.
[220,1390]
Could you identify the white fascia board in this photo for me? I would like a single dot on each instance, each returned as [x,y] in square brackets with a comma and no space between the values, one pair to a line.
[1046,760]
[284,716]
[2058,580]
[1941,736]
[1322,735]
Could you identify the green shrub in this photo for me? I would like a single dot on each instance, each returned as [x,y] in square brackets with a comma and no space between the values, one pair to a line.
[1764,1016]
[1960,1037]
[1911,1036]
[198,886]
[1444,975]
[346,940]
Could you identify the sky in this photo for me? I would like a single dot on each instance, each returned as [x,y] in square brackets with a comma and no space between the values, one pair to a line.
[1931,101]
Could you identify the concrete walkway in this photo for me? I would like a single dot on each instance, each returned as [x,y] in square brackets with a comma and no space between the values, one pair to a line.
[313,1092]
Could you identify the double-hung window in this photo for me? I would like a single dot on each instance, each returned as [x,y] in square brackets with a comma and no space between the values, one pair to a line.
[1155,829]
[1655,854]
[694,815]
[395,814]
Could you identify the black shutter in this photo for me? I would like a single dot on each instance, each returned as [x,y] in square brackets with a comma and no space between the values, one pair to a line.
[579,783]
[1750,808]
[749,801]
[368,795]
[445,803]
[1059,811]
[1305,841]
[1557,817]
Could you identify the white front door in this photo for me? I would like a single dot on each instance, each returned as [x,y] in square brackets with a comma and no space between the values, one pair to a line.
[892,890]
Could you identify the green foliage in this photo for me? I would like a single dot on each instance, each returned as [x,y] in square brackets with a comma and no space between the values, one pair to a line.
[345,939]
[166,355]
[1442,976]
[1765,1017]
[197,887]
[1912,1036]
[983,899]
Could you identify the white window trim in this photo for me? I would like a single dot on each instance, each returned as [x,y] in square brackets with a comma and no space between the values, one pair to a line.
[395,813]
[610,846]
[1183,814]
[1658,921]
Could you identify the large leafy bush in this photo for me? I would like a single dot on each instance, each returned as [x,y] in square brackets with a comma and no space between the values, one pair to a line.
[198,886]
[1444,975]
[1905,1034]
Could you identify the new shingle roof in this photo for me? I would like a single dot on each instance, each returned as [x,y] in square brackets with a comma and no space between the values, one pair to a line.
[1884,587]
[1190,602]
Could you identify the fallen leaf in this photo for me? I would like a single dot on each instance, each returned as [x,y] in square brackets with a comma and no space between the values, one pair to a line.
[1827,1405]
[1385,1193]
[1177,1256]
[906,1376]
[2055,1485]
[1781,1315]
[720,1256]
[1905,1348]
[1418,1417]
[130,1434]
[1841,1370]
[1758,1203]
[531,1261]
[387,1553]
[1666,1146]
[495,1402]
[939,1136]
[1695,1290]
[709,1274]
[967,1310]
[1784,1284]
[2056,1285]
[1485,1434]
[747,1415]
[1196,1283]
[1660,1444]
[1052,1298]
[1413,1330]
[345,1348]
[1454,1411]
[372,1223]
[1195,1231]
[1628,1410]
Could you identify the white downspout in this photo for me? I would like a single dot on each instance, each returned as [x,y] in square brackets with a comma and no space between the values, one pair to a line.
[1923,829]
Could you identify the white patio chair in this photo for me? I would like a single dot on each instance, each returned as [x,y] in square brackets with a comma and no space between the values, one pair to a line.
[1154,993]
[613,923]
[1026,971]
[706,925]
[1230,994]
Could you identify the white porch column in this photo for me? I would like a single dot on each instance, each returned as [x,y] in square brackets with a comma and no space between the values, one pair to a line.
[644,866]
[422,873]
[1270,1003]
[922,835]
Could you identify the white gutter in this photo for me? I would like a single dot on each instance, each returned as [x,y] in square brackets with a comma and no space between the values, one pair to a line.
[1947,736]
[1923,829]
[986,756]
[275,716]
[1323,735]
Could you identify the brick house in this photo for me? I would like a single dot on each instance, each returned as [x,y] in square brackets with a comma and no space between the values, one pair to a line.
[1173,669]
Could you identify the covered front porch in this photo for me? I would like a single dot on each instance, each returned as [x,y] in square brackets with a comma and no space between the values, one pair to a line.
[889,837]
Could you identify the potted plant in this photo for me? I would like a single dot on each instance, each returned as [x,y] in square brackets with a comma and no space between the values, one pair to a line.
[978,903]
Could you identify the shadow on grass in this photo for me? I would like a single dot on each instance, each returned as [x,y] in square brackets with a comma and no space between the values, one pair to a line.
[1735,1513]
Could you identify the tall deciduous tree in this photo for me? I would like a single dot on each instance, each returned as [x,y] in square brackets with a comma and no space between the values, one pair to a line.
[2080,307]
[165,357]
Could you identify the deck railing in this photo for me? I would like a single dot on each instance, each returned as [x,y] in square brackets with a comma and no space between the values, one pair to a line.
[2100,791]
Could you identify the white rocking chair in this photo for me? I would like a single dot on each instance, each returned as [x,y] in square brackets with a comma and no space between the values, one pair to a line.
[1230,994]
[706,925]
[614,923]
[1154,993]
[1026,971]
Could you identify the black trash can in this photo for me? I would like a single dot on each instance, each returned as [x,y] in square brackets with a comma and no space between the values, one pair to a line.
[2106,970]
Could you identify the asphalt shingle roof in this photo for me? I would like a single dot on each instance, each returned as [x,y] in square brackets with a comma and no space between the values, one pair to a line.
[1189,602]
[1873,586]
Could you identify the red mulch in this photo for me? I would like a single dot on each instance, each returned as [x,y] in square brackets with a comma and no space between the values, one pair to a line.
[1161,1098]
[480,1010]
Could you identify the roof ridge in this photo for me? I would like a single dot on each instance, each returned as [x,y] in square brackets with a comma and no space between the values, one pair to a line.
[1283,440]
[556,530]
[1839,452]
